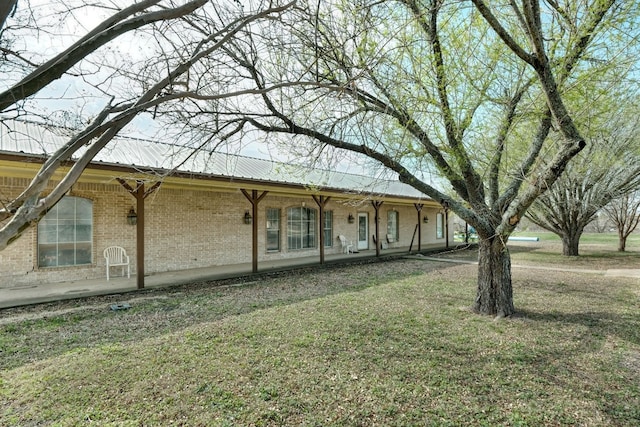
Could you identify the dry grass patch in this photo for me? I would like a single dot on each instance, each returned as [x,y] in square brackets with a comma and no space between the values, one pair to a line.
[387,344]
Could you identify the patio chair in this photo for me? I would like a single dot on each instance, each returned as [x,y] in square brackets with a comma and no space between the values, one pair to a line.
[347,247]
[391,240]
[117,257]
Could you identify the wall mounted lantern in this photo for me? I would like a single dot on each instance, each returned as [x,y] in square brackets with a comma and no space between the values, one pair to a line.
[425,219]
[132,217]
[247,217]
[351,219]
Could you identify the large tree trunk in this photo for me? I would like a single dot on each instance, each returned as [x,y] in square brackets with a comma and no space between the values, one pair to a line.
[570,242]
[495,294]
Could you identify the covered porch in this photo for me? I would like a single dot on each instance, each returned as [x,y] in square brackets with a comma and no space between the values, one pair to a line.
[48,292]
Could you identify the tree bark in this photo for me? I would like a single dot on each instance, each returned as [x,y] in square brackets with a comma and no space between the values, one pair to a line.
[495,292]
[571,243]
[6,8]
[622,241]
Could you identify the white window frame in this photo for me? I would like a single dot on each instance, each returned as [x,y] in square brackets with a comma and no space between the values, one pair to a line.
[327,229]
[439,225]
[302,229]
[65,234]
[393,224]
[273,227]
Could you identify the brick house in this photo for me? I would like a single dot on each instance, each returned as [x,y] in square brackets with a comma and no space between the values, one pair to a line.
[206,210]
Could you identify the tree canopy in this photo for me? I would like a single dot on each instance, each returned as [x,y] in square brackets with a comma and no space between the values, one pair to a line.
[624,212]
[483,94]
[606,171]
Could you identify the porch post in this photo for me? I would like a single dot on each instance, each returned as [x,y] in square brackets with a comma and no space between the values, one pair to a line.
[446,226]
[376,206]
[418,207]
[254,198]
[140,194]
[445,206]
[321,201]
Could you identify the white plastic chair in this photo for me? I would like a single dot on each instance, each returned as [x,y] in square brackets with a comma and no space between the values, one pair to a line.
[117,257]
[347,247]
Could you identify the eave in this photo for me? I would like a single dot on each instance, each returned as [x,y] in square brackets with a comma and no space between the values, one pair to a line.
[22,165]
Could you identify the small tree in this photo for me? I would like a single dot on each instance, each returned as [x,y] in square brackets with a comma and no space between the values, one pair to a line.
[607,170]
[601,223]
[625,214]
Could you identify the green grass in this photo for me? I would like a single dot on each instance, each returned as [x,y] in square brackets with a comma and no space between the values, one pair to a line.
[374,345]
[597,251]
[609,239]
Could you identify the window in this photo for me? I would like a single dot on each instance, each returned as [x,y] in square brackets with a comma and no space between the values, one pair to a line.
[301,228]
[393,225]
[273,229]
[440,226]
[65,233]
[328,229]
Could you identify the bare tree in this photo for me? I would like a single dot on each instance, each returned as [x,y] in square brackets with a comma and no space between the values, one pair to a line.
[601,223]
[575,199]
[470,92]
[183,36]
[607,170]
[625,214]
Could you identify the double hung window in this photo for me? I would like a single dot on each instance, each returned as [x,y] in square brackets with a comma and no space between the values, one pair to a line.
[65,233]
[301,228]
[393,225]
[440,226]
[328,228]
[273,229]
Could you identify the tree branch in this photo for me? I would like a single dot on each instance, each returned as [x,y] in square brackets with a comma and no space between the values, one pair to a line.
[102,34]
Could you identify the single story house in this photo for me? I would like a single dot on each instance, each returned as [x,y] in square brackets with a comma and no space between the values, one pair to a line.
[171,209]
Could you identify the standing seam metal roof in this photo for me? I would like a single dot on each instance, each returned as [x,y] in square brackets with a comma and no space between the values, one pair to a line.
[38,139]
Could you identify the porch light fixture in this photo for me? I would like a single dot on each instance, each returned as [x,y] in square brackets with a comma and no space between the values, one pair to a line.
[425,219]
[351,219]
[132,217]
[247,217]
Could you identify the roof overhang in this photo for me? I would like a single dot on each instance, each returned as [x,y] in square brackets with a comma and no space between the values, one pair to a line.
[22,165]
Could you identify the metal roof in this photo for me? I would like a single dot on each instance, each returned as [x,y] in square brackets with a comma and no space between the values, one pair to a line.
[36,139]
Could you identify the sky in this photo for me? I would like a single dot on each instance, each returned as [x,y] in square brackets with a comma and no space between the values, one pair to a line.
[70,99]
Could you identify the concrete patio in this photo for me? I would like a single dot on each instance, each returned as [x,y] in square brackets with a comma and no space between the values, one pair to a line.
[47,292]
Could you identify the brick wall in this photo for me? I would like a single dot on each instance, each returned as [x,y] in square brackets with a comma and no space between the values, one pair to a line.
[187,228]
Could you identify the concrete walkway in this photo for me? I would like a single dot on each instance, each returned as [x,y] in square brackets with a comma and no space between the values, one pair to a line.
[619,272]
[48,292]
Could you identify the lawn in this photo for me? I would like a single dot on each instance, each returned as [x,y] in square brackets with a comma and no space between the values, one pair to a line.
[597,250]
[379,344]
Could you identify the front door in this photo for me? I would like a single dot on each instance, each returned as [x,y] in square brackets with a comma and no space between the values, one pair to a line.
[363,231]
